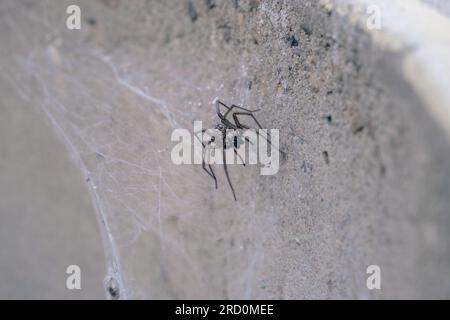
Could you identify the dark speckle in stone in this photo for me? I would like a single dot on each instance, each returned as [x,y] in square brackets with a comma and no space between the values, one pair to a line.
[326,157]
[358,130]
[253,5]
[210,4]
[91,21]
[292,41]
[192,11]
[307,29]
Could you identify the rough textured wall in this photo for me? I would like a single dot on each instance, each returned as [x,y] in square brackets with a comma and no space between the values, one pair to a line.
[366,179]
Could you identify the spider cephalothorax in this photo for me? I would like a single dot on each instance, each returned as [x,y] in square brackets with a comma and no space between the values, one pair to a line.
[229,134]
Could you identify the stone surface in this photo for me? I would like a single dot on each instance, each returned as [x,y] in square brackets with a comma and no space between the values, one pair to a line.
[366,179]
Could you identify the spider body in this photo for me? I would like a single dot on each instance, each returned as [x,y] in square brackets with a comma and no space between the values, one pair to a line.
[233,137]
[230,136]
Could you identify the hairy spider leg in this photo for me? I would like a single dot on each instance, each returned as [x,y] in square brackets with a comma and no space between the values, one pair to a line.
[211,172]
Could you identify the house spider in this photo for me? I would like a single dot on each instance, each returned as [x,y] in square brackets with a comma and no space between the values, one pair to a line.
[229,141]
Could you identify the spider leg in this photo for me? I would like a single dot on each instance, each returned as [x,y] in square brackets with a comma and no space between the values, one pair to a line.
[225,167]
[218,104]
[222,104]
[196,134]
[210,172]
[223,117]
[243,163]
[241,126]
[235,148]
[236,119]
[233,106]
[242,108]
[229,109]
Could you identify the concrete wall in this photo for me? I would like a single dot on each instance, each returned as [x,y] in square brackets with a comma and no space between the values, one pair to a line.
[364,121]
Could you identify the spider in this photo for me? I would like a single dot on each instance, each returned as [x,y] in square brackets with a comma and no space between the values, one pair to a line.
[227,140]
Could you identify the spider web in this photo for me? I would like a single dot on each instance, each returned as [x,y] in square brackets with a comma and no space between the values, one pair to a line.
[115,113]
[118,134]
